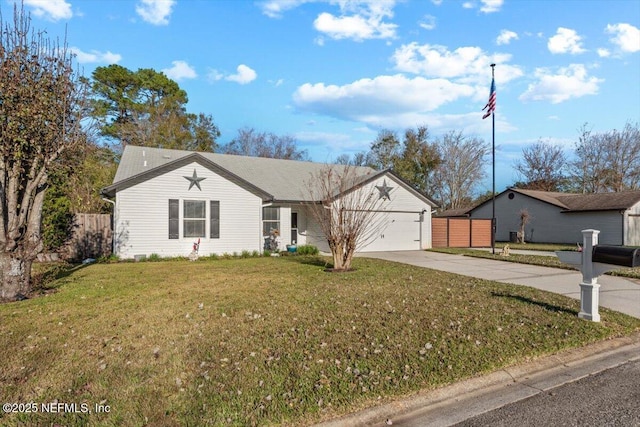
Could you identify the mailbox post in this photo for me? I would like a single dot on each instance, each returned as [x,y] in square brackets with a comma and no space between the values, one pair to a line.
[594,261]
[589,287]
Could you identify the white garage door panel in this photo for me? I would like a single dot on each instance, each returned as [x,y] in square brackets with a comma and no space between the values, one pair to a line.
[401,233]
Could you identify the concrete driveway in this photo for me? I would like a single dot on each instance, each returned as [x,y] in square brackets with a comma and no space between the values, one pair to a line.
[616,293]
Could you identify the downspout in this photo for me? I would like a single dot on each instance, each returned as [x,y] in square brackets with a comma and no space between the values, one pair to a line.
[624,226]
[421,220]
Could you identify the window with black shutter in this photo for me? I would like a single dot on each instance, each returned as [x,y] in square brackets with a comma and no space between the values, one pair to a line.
[214,213]
[174,218]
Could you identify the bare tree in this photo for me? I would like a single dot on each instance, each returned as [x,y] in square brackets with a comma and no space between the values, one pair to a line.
[623,158]
[249,142]
[348,212]
[40,112]
[588,172]
[608,161]
[461,168]
[542,167]
[361,158]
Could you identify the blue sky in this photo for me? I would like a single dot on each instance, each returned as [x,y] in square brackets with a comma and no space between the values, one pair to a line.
[333,73]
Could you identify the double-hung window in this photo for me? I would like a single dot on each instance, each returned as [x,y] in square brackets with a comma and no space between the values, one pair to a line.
[194,218]
[270,220]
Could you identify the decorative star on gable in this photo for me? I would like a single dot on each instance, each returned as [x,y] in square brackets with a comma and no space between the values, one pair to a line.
[194,180]
[384,190]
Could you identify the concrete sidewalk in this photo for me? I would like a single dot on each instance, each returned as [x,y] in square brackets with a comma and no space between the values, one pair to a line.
[616,293]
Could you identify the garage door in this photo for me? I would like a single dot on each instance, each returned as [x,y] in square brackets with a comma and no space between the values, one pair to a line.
[399,232]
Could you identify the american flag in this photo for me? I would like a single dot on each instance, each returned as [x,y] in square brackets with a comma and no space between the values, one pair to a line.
[491,105]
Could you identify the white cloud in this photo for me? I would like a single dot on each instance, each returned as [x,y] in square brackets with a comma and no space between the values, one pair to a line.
[366,100]
[569,82]
[490,6]
[53,10]
[397,102]
[180,70]
[275,8]
[604,53]
[626,37]
[155,12]
[95,56]
[505,37]
[243,76]
[565,41]
[214,75]
[358,21]
[486,6]
[428,22]
[468,64]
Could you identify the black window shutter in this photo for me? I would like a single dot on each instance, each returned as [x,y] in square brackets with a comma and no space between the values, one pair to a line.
[174,218]
[215,219]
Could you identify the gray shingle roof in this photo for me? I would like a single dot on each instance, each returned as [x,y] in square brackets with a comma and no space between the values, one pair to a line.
[282,180]
[574,202]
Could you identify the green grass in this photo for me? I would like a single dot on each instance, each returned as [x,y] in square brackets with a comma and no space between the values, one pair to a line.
[542,260]
[267,341]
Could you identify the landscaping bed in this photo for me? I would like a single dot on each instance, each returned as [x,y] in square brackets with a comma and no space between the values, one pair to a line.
[263,341]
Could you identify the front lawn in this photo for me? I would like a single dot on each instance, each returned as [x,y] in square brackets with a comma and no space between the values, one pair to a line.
[267,340]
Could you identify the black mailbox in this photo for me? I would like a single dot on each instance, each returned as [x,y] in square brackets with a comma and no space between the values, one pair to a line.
[616,255]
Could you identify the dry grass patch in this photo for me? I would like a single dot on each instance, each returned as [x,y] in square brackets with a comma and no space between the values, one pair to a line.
[268,341]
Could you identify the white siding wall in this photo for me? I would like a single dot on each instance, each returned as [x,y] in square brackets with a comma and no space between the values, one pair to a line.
[547,223]
[285,226]
[313,232]
[142,215]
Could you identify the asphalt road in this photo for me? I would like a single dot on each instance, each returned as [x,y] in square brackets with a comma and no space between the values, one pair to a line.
[609,398]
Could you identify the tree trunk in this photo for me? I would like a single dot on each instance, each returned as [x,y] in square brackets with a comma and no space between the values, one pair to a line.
[15,272]
[337,251]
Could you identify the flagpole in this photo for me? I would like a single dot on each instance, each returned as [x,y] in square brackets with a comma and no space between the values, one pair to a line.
[493,160]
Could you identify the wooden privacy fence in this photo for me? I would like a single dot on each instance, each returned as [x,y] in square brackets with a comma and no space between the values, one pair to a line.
[91,237]
[460,233]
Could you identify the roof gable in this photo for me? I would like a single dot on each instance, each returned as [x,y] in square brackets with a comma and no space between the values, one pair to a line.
[150,173]
[395,178]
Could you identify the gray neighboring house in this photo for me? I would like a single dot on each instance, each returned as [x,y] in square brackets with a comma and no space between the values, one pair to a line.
[559,217]
[166,200]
